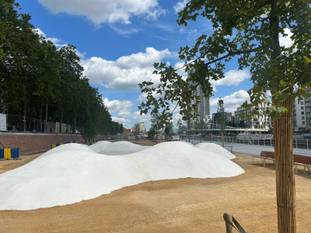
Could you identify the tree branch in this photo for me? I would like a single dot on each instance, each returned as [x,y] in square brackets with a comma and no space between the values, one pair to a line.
[230,53]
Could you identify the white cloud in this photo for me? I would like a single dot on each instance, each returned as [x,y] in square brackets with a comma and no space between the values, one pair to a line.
[124,30]
[54,40]
[232,78]
[121,110]
[180,67]
[180,5]
[231,102]
[286,38]
[106,11]
[126,71]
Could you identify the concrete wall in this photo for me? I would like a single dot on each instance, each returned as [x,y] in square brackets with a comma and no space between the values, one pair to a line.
[30,143]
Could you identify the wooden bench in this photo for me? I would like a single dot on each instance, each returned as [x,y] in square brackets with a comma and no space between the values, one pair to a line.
[302,160]
[267,155]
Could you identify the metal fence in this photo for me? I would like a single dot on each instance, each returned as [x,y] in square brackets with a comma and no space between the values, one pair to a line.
[302,143]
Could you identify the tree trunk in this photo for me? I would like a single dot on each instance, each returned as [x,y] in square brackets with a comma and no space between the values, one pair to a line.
[222,127]
[285,179]
[24,115]
[46,118]
[41,123]
[75,123]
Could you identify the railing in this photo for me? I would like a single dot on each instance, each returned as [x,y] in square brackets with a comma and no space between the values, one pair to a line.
[297,143]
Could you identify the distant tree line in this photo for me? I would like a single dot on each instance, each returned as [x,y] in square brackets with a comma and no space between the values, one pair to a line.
[39,80]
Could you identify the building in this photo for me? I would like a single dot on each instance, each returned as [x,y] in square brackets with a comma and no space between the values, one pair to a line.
[204,106]
[302,113]
[3,122]
[254,117]
[139,128]
[299,114]
[308,110]
[203,111]
[217,119]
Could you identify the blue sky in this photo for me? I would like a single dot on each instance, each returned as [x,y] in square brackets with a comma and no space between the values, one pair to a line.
[118,41]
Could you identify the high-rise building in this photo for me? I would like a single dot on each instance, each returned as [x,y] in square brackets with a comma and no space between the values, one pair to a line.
[204,106]
[203,111]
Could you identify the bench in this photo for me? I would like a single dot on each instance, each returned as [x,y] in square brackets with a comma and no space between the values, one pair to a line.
[303,160]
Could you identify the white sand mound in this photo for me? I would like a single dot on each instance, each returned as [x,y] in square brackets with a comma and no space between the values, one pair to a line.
[69,147]
[69,176]
[215,148]
[116,148]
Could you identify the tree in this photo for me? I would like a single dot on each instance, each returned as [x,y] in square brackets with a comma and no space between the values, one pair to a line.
[168,131]
[38,80]
[221,111]
[151,133]
[181,128]
[249,32]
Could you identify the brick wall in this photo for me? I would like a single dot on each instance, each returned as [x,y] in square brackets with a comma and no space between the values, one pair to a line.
[30,143]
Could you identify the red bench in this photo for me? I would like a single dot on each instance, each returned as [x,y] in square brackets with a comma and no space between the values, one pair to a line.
[303,160]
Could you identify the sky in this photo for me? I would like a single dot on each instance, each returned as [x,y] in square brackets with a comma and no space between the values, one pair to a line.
[118,42]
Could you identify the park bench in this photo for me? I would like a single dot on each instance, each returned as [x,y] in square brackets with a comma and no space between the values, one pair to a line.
[301,160]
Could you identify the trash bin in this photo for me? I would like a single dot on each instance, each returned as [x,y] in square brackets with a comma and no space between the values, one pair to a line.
[7,153]
[15,153]
[1,153]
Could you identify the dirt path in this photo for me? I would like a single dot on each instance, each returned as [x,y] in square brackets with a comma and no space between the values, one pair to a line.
[178,206]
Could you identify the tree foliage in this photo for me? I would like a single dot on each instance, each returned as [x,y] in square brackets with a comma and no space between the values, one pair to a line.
[249,32]
[39,80]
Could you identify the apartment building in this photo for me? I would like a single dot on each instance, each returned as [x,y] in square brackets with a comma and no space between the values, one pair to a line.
[302,113]
[255,117]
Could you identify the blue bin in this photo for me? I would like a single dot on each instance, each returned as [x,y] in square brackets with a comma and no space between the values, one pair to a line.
[15,153]
[1,153]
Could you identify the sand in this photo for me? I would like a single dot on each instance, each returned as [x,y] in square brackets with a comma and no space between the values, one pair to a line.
[116,148]
[173,206]
[72,173]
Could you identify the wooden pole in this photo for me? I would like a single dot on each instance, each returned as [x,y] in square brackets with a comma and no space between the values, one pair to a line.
[285,179]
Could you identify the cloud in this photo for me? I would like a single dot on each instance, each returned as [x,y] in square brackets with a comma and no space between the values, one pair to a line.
[124,31]
[286,38]
[232,78]
[125,72]
[180,5]
[121,110]
[54,40]
[180,69]
[231,102]
[106,11]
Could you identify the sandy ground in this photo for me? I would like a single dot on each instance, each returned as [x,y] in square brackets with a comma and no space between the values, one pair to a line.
[6,165]
[174,206]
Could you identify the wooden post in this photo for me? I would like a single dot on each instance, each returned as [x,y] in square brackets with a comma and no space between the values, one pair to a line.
[228,223]
[285,180]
